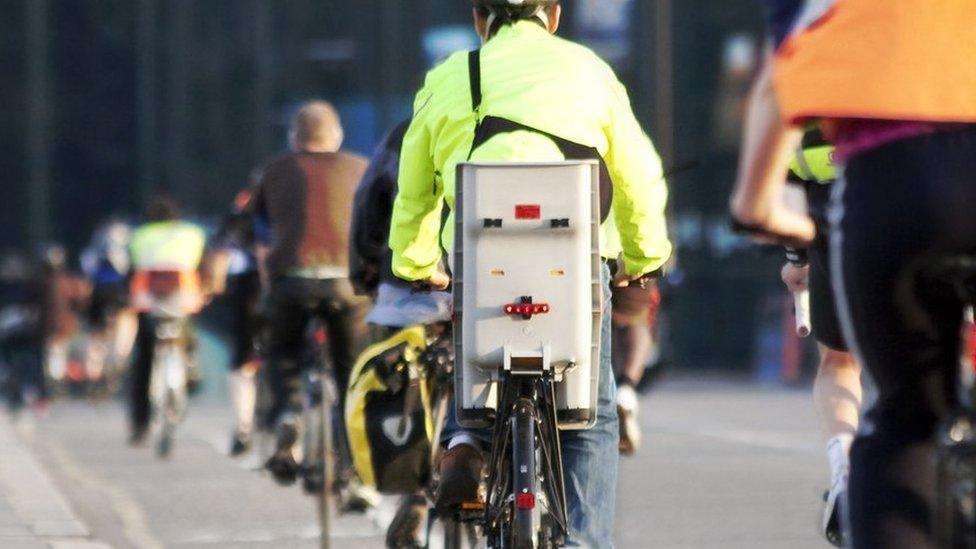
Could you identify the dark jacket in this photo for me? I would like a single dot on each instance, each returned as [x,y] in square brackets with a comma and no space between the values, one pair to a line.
[370,256]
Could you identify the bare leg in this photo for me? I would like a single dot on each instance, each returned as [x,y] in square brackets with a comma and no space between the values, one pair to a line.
[632,346]
[243,395]
[837,392]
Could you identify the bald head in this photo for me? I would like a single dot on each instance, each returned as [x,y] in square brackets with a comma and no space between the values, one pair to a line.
[316,128]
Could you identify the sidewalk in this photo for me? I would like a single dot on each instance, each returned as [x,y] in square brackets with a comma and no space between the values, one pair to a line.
[33,513]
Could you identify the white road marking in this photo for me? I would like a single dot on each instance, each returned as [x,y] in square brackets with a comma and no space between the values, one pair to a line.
[134,520]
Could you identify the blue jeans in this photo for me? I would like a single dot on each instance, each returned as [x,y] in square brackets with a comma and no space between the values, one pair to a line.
[590,457]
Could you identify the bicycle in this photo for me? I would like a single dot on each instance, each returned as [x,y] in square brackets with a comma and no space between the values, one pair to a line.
[526,462]
[527,297]
[168,395]
[108,354]
[319,459]
[436,365]
[956,442]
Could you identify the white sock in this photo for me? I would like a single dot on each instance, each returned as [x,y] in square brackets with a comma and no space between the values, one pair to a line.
[462,438]
[627,398]
[243,394]
[838,452]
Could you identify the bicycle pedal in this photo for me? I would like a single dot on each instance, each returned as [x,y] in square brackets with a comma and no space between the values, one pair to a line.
[470,511]
[472,506]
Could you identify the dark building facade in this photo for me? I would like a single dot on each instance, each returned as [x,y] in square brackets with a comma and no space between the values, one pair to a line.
[106,102]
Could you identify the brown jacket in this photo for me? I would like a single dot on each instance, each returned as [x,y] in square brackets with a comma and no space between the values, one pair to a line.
[306,199]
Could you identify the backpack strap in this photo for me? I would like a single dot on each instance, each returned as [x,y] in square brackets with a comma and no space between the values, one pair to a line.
[474,78]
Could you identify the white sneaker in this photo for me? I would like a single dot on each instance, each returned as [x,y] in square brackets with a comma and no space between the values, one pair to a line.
[831,525]
[627,410]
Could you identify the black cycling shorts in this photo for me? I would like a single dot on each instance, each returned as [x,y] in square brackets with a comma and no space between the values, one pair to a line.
[107,299]
[243,297]
[824,322]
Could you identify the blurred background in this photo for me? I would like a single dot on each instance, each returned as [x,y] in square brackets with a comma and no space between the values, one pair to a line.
[107,101]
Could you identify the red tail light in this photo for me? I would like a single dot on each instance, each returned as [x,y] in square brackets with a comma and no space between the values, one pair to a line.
[526,309]
[525,501]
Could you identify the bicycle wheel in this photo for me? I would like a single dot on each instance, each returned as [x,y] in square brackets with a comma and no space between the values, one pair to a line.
[324,459]
[525,514]
[956,505]
[174,397]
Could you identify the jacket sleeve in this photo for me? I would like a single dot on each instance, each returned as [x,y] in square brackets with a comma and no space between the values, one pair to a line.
[416,222]
[371,219]
[640,191]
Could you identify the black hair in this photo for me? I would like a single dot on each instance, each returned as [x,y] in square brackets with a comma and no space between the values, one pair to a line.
[162,207]
[507,15]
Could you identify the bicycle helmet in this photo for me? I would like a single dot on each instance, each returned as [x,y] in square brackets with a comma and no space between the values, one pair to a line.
[508,11]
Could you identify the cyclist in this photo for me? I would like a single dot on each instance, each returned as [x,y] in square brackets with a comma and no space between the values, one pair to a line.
[164,244]
[65,295]
[528,96]
[234,271]
[634,309]
[908,147]
[111,324]
[21,333]
[395,305]
[837,388]
[303,203]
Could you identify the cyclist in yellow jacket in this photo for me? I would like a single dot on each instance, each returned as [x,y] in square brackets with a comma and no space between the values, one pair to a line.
[528,95]
[174,248]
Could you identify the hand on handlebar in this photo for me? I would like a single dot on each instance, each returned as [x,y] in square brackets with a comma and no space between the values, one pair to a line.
[622,280]
[795,278]
[438,282]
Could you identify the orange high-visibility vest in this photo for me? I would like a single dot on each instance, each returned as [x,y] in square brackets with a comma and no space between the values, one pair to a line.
[882,59]
[180,288]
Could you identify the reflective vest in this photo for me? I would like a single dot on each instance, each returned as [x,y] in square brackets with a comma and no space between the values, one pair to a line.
[535,86]
[165,258]
[814,159]
[880,59]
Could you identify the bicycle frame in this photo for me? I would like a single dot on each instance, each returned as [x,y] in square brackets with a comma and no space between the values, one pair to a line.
[525,450]
[318,448]
[168,389]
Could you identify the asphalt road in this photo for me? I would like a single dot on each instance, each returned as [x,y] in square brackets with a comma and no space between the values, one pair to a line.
[724,465]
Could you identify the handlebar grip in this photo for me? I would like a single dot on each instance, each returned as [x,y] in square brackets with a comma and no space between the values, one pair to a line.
[801,301]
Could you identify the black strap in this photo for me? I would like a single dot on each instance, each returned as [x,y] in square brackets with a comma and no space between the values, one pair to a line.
[490,126]
[474,77]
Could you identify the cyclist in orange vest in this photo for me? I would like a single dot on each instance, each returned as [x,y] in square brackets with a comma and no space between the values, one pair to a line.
[895,87]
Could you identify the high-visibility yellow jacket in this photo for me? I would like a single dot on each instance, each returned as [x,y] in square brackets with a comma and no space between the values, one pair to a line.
[533,78]
[167,245]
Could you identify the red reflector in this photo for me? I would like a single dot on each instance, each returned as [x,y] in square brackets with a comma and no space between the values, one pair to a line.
[525,501]
[528,211]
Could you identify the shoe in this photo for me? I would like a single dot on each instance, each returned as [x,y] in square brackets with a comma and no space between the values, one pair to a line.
[358,498]
[240,444]
[833,498]
[138,436]
[194,378]
[627,409]
[282,464]
[460,477]
[405,530]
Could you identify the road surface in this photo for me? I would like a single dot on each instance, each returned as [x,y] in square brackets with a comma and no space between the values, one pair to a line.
[724,465]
